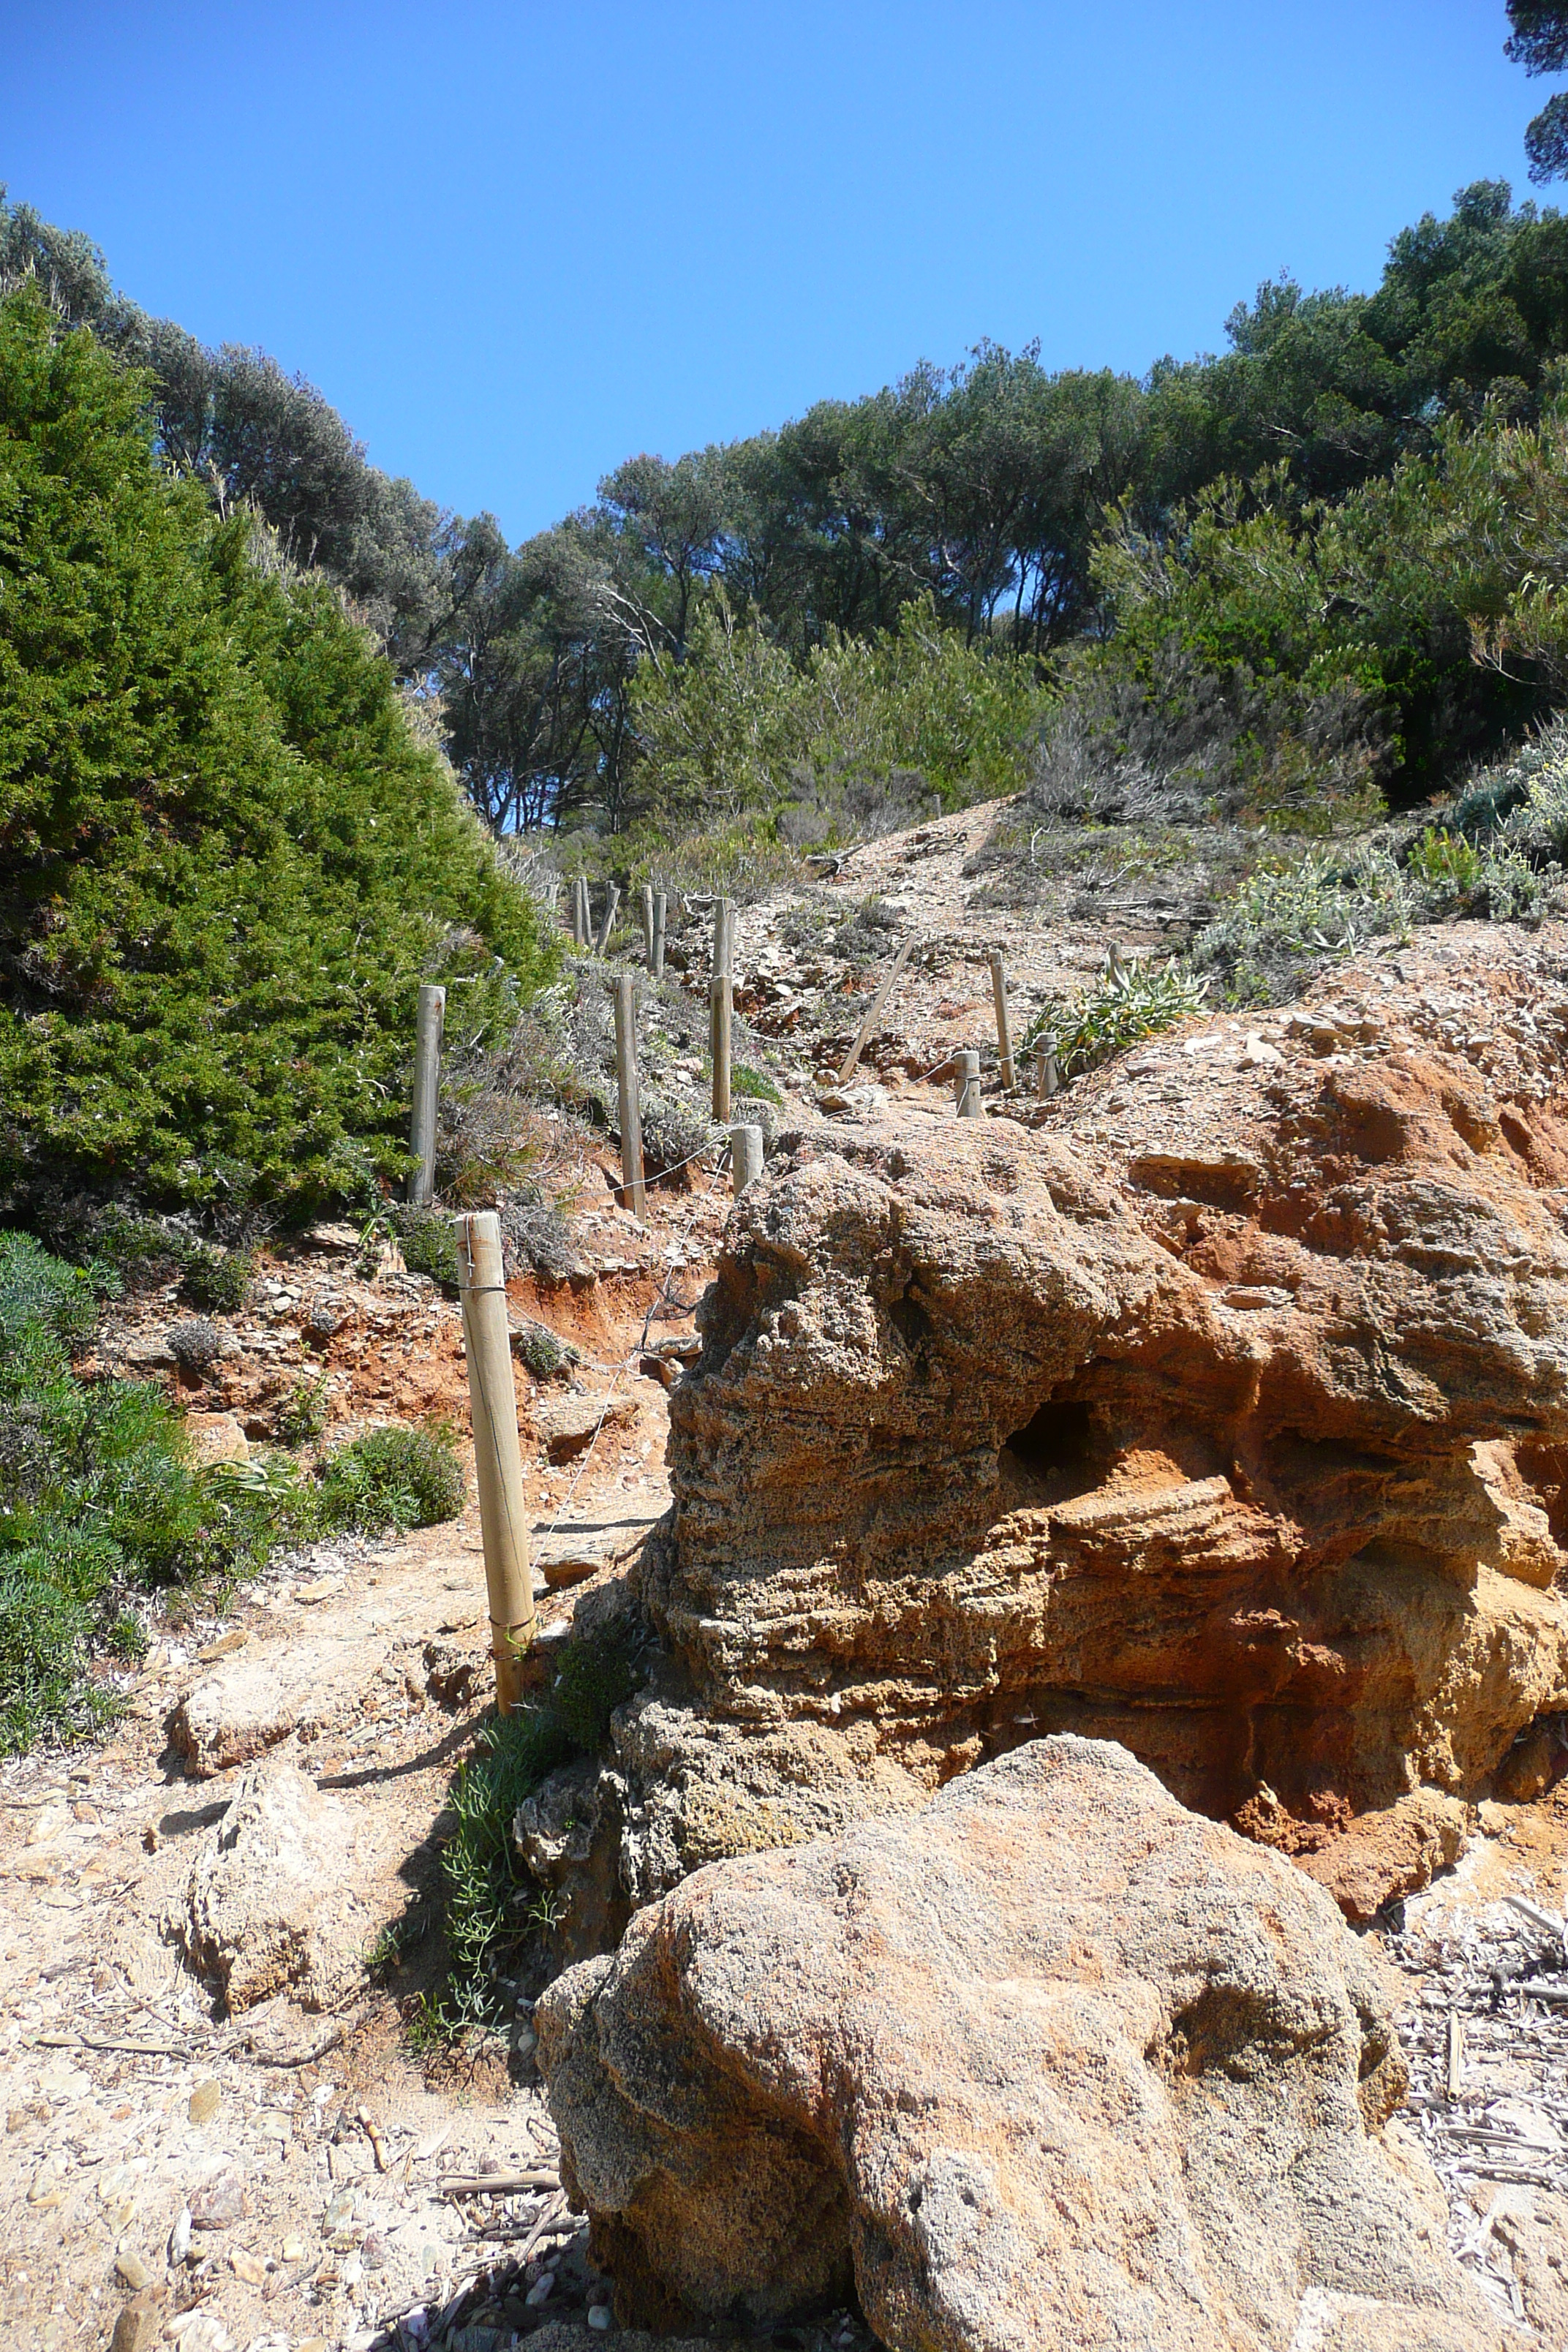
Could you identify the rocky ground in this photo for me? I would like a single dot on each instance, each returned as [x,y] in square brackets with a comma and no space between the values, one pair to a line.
[330,2166]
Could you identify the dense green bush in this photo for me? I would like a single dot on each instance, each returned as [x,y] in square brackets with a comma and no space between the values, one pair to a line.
[100,1501]
[230,860]
[392,1477]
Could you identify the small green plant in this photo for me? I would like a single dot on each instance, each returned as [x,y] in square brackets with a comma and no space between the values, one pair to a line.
[596,1672]
[542,1350]
[429,1241]
[40,1290]
[1133,1000]
[487,1888]
[394,1477]
[744,1081]
[1446,862]
[303,1416]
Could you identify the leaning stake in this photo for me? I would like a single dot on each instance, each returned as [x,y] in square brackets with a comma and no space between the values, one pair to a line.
[612,900]
[498,1462]
[633,1194]
[427,1094]
[1004,1032]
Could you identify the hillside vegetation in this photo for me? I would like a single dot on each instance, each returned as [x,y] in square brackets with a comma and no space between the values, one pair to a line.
[228,860]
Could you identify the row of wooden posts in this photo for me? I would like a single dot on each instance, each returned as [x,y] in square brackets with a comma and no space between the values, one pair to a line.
[481,1280]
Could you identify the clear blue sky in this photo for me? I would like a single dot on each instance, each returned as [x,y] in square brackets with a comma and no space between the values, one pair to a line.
[515,242]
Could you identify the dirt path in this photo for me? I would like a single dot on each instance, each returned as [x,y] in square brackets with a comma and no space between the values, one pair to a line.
[131,2098]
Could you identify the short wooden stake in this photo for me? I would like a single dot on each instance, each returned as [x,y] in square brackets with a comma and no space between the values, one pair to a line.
[634,1195]
[723,937]
[878,1005]
[1454,2072]
[1047,1077]
[647,924]
[612,900]
[966,1084]
[719,1017]
[656,960]
[745,1156]
[426,1095]
[1004,1032]
[579,910]
[498,1459]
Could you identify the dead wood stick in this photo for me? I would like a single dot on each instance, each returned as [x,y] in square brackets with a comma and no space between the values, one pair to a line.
[328,2040]
[553,2213]
[497,2184]
[1456,2053]
[863,1034]
[137,2049]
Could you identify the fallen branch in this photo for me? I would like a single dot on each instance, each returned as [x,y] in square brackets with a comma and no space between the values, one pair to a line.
[136,2049]
[328,2040]
[497,2184]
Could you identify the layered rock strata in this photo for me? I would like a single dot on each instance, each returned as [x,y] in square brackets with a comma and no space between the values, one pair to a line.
[1049,2063]
[1224,1415]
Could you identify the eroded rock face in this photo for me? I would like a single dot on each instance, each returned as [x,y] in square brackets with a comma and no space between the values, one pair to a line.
[1233,1430]
[1050,2062]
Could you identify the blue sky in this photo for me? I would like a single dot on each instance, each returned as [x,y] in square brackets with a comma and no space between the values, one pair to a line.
[514,244]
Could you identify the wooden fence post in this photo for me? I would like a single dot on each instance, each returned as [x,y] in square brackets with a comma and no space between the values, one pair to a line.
[723,937]
[612,900]
[498,1460]
[720,1008]
[426,1095]
[657,960]
[633,1193]
[1046,1076]
[966,1084]
[745,1156]
[1003,1030]
[647,924]
[580,911]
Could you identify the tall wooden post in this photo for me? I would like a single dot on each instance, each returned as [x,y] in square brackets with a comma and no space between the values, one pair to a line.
[966,1084]
[634,1194]
[1003,1030]
[426,1095]
[1047,1076]
[580,911]
[498,1460]
[720,1009]
[745,1156]
[647,924]
[612,900]
[656,964]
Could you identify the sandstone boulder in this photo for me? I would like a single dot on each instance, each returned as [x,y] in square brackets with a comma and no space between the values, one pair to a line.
[273,1897]
[1050,2064]
[1225,1416]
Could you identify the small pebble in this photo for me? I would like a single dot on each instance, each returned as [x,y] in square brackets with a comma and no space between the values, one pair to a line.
[132,2270]
[599,2315]
[180,2237]
[541,2291]
[206,2101]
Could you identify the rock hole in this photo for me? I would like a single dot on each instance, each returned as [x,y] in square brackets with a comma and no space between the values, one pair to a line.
[1055,1440]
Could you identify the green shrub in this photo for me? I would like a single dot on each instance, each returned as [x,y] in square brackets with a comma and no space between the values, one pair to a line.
[229,861]
[38,1289]
[1133,1000]
[303,1416]
[542,1350]
[429,1241]
[755,1085]
[488,1890]
[392,1477]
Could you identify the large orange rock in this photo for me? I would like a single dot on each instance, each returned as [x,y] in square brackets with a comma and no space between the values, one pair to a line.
[1224,1415]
